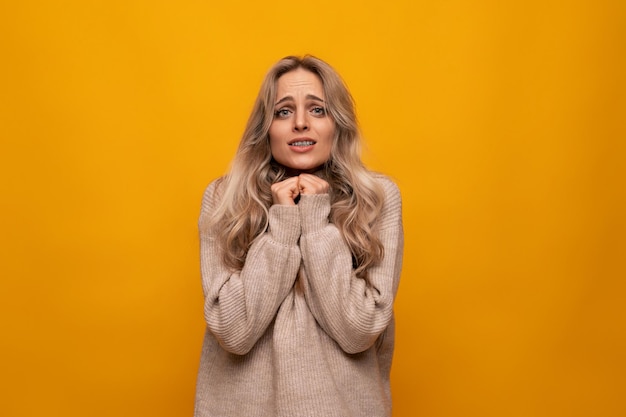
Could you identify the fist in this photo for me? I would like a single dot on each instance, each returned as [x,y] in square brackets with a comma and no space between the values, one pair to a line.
[312,184]
[286,191]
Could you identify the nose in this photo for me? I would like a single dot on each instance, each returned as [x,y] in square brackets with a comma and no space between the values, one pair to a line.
[301,122]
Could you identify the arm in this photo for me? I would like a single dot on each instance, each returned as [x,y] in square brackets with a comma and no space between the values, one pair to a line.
[239,305]
[353,311]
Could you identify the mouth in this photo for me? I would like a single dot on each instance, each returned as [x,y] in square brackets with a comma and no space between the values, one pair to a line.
[301,142]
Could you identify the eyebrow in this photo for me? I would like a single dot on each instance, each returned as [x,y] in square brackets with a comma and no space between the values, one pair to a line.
[290,98]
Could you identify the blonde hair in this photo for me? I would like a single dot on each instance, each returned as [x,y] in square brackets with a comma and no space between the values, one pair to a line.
[245,197]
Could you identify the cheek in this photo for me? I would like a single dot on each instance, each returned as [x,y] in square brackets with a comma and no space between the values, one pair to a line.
[274,149]
[274,134]
[330,135]
[279,130]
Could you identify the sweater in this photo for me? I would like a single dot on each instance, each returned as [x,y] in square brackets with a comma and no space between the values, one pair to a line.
[295,333]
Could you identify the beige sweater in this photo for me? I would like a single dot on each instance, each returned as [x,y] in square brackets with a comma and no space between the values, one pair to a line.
[295,333]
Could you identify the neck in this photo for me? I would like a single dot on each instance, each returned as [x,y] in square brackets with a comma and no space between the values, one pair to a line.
[290,172]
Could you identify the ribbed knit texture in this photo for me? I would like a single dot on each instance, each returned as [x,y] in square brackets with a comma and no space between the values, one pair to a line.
[295,333]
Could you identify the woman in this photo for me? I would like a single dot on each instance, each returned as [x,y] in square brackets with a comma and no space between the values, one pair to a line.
[301,250]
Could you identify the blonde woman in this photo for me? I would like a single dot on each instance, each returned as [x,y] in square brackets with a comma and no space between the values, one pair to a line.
[301,251]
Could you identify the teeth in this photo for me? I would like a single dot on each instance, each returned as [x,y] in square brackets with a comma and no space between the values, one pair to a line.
[303,143]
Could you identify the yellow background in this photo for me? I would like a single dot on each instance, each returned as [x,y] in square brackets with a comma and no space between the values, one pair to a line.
[502,122]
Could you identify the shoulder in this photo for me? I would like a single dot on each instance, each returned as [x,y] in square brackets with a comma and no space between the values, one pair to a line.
[391,212]
[389,187]
[212,194]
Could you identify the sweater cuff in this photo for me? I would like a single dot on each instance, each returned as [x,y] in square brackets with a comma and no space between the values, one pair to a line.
[284,224]
[314,211]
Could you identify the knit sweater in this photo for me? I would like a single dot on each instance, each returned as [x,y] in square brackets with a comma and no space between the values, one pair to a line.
[295,333]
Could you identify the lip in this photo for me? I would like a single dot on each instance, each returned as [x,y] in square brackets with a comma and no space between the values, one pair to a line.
[301,139]
[301,149]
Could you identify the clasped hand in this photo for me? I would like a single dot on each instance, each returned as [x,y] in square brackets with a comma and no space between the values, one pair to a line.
[286,191]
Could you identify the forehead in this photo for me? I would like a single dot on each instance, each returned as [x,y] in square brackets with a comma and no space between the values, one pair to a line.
[299,81]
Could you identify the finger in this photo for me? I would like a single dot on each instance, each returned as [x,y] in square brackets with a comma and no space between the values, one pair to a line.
[312,184]
[313,181]
[285,192]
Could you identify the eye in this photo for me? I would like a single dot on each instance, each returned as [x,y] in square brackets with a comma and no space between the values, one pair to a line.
[318,111]
[282,113]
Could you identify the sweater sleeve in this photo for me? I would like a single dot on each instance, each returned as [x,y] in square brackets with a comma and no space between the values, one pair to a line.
[351,310]
[239,305]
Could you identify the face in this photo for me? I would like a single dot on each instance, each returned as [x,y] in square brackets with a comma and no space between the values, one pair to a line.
[301,133]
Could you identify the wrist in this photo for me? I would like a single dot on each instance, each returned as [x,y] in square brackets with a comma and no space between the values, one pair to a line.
[314,212]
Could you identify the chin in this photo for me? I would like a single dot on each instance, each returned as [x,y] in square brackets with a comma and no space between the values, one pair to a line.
[303,168]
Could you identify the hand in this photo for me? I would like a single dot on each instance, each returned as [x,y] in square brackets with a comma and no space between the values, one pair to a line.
[312,184]
[286,191]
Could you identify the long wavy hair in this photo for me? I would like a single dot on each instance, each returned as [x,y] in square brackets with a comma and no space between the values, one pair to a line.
[244,192]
